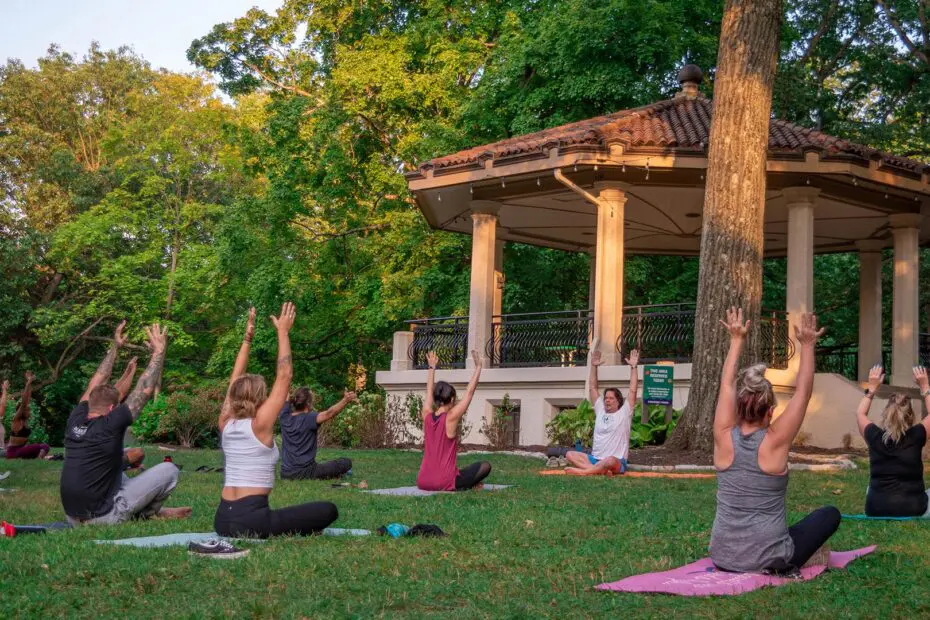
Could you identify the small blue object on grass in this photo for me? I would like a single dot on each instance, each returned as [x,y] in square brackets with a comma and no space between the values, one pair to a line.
[396,530]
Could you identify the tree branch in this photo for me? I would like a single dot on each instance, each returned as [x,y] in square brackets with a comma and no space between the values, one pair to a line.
[293,89]
[824,25]
[902,34]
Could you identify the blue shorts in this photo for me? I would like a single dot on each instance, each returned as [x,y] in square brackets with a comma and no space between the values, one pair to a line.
[623,464]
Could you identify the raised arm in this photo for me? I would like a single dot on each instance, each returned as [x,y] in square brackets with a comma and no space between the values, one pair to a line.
[459,409]
[923,383]
[106,366]
[432,361]
[242,358]
[145,386]
[633,361]
[22,411]
[125,381]
[263,424]
[593,390]
[876,378]
[332,412]
[4,393]
[785,429]
[725,415]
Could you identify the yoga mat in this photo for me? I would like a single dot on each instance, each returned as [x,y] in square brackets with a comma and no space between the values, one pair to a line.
[184,538]
[701,578]
[415,492]
[4,475]
[868,518]
[631,474]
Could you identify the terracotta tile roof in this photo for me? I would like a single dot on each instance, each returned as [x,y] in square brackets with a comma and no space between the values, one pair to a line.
[680,124]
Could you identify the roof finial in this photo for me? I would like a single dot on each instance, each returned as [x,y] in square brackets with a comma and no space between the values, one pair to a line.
[690,77]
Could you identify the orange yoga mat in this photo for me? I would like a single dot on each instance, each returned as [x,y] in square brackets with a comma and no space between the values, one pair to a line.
[635,474]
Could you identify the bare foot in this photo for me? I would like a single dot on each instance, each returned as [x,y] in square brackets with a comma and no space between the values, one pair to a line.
[181,512]
[577,471]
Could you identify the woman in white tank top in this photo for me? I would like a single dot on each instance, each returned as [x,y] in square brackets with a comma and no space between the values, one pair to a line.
[247,432]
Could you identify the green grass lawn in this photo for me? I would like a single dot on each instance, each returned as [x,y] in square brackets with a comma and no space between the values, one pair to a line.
[535,550]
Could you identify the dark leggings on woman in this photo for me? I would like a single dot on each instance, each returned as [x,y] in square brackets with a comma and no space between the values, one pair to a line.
[809,534]
[472,475]
[28,451]
[250,517]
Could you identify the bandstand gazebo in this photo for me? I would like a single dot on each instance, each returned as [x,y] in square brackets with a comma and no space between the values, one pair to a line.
[632,182]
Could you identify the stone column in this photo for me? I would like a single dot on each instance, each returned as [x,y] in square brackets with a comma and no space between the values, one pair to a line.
[608,292]
[870,305]
[592,278]
[800,285]
[499,278]
[904,321]
[481,302]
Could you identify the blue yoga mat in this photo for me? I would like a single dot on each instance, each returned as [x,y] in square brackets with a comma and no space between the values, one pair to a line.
[868,518]
[167,540]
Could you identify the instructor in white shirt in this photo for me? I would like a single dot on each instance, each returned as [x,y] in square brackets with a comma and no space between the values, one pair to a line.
[613,418]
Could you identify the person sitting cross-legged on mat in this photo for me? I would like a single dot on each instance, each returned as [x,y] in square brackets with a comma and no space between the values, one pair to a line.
[246,426]
[613,419]
[19,446]
[896,485]
[750,532]
[442,414]
[299,426]
[93,486]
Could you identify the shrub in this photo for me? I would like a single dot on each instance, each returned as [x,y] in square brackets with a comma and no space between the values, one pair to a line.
[185,418]
[369,423]
[499,429]
[572,425]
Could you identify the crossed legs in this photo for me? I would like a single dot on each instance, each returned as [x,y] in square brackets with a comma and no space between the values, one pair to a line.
[581,465]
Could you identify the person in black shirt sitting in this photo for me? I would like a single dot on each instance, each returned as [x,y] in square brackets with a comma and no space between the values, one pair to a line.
[896,487]
[93,486]
[299,426]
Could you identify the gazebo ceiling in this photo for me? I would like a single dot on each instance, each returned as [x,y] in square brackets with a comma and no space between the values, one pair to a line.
[658,154]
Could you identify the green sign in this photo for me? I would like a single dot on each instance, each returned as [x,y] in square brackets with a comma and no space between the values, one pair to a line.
[657,384]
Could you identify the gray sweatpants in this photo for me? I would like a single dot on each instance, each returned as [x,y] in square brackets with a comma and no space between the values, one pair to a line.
[140,497]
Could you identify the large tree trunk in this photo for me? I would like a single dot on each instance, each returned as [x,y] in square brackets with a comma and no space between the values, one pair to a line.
[734,203]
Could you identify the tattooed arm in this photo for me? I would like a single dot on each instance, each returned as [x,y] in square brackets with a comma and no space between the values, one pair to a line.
[145,386]
[106,366]
[263,425]
[125,381]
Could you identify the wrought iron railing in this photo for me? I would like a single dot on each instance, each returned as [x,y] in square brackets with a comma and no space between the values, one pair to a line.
[540,339]
[447,336]
[666,332]
[663,332]
[923,349]
[842,360]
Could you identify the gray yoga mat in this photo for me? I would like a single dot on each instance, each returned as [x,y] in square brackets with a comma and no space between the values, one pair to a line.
[184,538]
[415,492]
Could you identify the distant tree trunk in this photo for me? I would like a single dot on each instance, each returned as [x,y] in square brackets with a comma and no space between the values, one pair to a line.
[734,203]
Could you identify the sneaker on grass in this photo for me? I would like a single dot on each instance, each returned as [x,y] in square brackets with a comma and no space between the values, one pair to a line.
[216,548]
[553,462]
[563,462]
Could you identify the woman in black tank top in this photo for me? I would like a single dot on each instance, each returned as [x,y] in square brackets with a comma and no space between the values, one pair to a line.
[19,448]
[896,485]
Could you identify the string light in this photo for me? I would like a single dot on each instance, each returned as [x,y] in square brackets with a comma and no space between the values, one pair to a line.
[503,183]
[471,190]
[439,196]
[538,182]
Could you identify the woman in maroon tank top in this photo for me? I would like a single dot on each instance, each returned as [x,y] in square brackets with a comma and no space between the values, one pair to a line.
[442,413]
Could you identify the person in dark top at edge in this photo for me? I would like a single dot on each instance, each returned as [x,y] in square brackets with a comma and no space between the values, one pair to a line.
[93,486]
[19,447]
[299,427]
[896,486]
[442,414]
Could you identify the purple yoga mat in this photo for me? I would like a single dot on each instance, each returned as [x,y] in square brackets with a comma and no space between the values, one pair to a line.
[701,578]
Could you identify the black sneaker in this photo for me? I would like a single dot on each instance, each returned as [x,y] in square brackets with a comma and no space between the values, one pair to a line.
[216,548]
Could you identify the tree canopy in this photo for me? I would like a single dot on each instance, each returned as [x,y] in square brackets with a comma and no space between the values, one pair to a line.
[141,194]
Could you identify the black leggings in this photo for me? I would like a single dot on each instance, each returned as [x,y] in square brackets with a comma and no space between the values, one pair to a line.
[809,534]
[472,475]
[320,471]
[250,517]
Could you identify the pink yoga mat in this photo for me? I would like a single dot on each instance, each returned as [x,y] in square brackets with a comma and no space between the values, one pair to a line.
[701,578]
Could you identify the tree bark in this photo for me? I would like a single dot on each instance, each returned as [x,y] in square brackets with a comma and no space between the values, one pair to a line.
[734,204]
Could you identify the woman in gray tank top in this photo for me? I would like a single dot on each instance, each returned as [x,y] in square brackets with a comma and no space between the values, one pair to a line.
[751,532]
